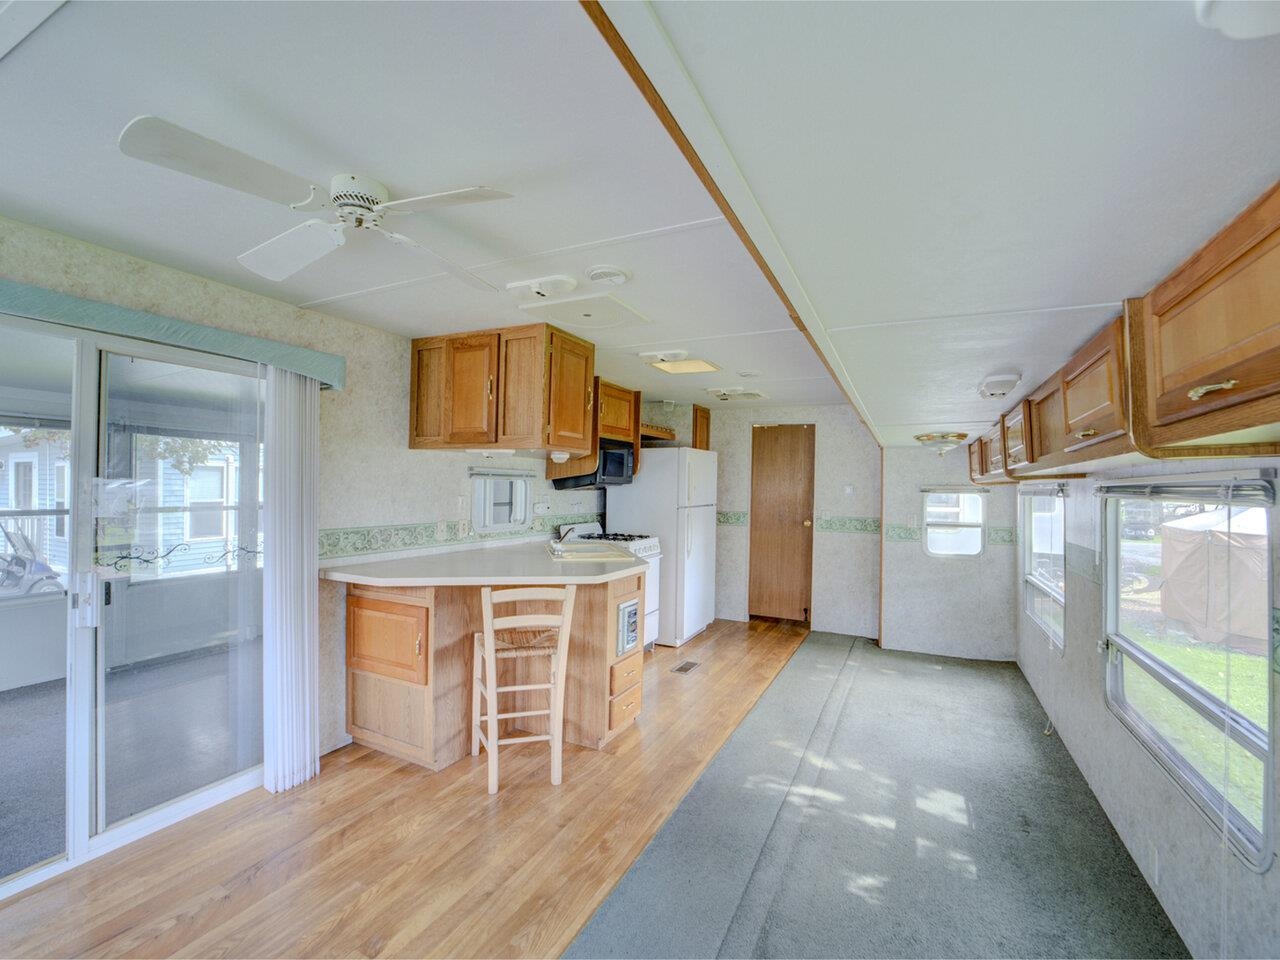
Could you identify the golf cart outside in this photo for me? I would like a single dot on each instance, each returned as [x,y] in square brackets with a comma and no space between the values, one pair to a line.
[22,572]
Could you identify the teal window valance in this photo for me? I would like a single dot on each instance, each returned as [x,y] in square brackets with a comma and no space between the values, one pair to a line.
[37,303]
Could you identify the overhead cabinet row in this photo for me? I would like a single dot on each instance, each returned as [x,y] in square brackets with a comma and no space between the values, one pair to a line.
[1192,369]
[521,388]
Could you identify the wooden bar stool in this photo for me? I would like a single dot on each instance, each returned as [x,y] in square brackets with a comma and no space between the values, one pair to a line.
[524,635]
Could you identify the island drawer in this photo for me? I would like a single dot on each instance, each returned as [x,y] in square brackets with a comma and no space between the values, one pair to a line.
[625,708]
[626,673]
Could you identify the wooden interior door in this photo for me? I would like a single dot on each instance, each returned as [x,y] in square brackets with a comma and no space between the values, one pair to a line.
[781,563]
[471,397]
[701,428]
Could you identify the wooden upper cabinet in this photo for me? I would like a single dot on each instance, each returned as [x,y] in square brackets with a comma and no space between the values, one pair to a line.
[471,388]
[522,407]
[1015,426]
[426,393]
[701,428]
[618,411]
[993,451]
[571,391]
[525,388]
[1212,330]
[1093,398]
[387,638]
[1046,425]
[975,460]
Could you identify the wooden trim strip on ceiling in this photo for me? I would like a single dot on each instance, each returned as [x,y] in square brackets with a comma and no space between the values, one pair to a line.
[613,38]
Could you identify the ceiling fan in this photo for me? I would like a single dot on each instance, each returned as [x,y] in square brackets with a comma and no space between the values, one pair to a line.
[358,203]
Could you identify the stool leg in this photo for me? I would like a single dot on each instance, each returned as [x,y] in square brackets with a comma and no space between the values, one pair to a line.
[491,704]
[556,694]
[477,660]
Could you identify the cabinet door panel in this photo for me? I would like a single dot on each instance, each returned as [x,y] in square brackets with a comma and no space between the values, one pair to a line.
[571,384]
[1227,330]
[522,412]
[426,420]
[386,638]
[993,452]
[975,459]
[1048,426]
[701,428]
[617,412]
[471,376]
[1093,390]
[1017,450]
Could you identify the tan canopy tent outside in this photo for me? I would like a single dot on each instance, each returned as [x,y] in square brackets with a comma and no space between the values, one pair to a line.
[1215,576]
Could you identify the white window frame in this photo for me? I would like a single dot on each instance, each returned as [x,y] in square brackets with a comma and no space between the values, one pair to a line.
[1256,851]
[32,457]
[225,467]
[482,482]
[981,525]
[1033,583]
[61,468]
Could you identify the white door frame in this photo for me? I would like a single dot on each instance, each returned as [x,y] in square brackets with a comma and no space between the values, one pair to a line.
[82,844]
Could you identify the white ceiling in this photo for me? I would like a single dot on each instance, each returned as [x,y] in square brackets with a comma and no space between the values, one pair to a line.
[949,190]
[524,97]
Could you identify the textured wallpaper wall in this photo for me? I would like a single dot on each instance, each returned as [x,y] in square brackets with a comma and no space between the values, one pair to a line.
[846,539]
[955,606]
[376,495]
[1220,906]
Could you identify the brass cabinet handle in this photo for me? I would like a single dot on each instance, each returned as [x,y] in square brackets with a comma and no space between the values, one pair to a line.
[808,523]
[1197,393]
[591,391]
[1086,434]
[419,647]
[490,388]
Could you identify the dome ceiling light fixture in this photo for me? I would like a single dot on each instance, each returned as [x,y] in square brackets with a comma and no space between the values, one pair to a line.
[941,441]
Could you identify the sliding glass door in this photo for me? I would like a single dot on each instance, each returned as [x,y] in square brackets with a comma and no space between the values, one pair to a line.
[178,551]
[36,411]
[130,590]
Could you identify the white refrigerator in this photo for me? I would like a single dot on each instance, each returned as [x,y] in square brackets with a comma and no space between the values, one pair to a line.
[674,498]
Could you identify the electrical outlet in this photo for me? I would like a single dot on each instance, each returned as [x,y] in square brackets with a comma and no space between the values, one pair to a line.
[541,508]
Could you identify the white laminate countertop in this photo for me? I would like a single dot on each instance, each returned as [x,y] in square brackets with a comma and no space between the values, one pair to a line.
[520,563]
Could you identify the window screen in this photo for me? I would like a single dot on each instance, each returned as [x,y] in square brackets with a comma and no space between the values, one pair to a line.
[1189,628]
[953,523]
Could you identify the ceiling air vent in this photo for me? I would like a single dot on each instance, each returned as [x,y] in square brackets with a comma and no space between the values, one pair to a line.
[593,312]
[736,393]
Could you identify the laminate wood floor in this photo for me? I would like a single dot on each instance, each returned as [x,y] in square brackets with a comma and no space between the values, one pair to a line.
[379,858]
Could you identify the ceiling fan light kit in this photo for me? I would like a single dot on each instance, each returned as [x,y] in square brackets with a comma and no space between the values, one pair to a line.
[359,202]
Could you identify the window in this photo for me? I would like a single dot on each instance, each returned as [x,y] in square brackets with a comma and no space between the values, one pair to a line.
[1189,631]
[61,482]
[207,501]
[24,490]
[499,502]
[1044,559]
[952,523]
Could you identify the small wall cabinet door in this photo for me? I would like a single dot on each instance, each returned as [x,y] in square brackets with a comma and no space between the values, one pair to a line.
[522,410]
[571,397]
[1216,343]
[993,452]
[617,412]
[1017,449]
[701,428]
[426,389]
[1093,389]
[975,460]
[1046,427]
[387,638]
[471,388]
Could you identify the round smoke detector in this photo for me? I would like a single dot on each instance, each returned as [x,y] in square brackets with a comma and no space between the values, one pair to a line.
[604,273]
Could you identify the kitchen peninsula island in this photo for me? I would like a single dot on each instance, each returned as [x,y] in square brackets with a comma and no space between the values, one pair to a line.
[410,628]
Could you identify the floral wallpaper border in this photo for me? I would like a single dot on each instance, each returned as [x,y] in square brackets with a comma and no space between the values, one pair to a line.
[357,541]
[910,533]
[740,518]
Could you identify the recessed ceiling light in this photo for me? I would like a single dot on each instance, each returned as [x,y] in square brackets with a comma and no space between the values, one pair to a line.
[676,361]
[685,366]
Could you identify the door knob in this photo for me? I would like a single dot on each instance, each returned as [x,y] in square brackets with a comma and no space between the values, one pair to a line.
[808,523]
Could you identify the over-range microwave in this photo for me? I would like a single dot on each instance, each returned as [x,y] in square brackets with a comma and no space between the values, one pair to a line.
[616,465]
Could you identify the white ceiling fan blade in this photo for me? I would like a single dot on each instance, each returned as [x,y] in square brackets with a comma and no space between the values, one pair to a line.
[450,198]
[462,273]
[169,145]
[286,254]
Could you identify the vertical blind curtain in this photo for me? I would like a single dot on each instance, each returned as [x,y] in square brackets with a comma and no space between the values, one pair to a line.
[291,641]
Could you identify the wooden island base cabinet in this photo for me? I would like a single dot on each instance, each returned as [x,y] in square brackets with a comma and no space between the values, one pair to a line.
[409,660]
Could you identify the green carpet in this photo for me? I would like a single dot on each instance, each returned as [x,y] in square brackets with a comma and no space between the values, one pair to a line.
[885,804]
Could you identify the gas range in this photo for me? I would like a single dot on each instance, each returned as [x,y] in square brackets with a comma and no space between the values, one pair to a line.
[640,544]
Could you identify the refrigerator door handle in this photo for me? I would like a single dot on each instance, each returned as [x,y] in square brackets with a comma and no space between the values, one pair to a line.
[688,533]
[688,481]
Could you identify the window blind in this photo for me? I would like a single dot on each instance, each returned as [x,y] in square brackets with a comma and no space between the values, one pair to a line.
[1258,492]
